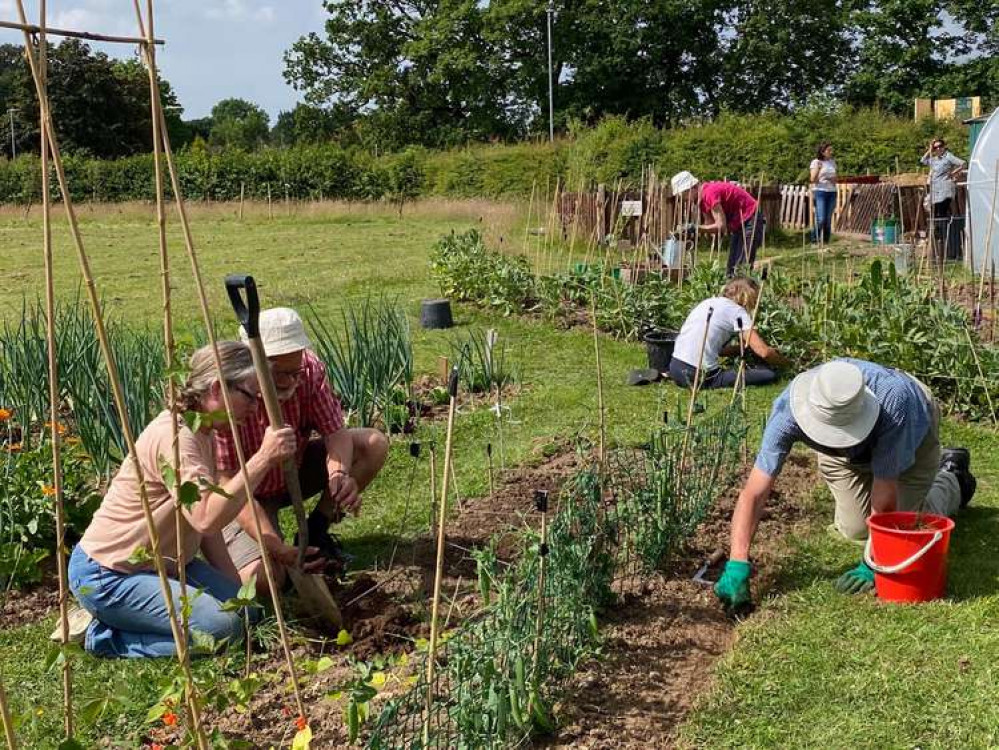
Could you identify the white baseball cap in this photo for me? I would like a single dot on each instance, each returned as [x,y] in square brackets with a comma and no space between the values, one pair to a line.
[681,182]
[281,332]
[833,406]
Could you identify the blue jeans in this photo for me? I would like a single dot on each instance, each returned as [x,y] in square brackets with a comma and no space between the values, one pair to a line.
[744,243]
[825,205]
[683,375]
[130,615]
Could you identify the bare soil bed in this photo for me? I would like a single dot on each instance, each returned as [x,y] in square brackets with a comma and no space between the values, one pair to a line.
[658,650]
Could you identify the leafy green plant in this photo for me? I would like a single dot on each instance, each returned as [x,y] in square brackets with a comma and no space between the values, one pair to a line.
[27,512]
[468,271]
[367,357]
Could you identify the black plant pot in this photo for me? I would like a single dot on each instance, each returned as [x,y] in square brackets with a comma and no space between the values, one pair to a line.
[659,347]
[436,313]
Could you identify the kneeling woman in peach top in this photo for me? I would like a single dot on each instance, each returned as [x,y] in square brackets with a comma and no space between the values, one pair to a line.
[125,600]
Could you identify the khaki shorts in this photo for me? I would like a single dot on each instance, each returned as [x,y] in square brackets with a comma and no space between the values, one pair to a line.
[313,478]
[922,485]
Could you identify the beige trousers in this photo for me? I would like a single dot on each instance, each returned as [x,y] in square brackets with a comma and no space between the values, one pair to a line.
[922,486]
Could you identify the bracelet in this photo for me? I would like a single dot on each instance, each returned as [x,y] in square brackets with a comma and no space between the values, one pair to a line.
[339,471]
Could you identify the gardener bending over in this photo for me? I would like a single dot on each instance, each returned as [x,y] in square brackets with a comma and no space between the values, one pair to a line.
[875,431]
[730,317]
[731,208]
[337,465]
[125,614]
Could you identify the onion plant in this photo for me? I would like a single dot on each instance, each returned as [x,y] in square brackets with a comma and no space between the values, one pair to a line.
[482,361]
[368,356]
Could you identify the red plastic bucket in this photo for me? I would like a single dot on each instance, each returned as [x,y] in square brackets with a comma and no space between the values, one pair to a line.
[908,553]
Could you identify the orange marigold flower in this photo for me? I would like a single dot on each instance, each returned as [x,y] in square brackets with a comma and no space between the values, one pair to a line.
[301,723]
[170,718]
[60,427]
[5,414]
[48,490]
[13,447]
[156,746]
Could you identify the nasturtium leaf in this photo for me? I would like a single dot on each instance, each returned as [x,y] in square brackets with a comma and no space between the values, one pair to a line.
[303,739]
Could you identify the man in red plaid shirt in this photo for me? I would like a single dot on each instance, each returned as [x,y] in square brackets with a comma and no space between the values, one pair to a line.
[337,464]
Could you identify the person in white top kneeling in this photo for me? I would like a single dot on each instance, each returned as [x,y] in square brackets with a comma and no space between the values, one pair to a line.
[729,317]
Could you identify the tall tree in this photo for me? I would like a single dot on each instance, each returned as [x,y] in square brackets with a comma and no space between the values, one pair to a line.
[100,106]
[237,123]
[778,54]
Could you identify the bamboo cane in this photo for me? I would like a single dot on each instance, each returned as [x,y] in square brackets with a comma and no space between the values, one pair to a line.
[439,567]
[988,241]
[168,338]
[226,396]
[981,374]
[53,368]
[694,388]
[242,194]
[489,460]
[48,131]
[32,29]
[601,416]
[5,718]
[541,501]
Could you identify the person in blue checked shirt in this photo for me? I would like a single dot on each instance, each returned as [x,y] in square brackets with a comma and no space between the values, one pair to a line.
[875,431]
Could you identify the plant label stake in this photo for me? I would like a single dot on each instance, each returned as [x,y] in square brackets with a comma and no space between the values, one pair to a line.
[311,588]
[452,388]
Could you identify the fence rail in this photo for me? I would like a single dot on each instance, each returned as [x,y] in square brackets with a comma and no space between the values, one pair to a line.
[648,216]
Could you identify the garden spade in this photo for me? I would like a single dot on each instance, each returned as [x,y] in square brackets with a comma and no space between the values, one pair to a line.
[311,587]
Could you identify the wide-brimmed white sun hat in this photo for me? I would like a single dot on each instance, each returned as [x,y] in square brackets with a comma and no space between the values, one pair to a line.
[681,182]
[832,405]
[281,332]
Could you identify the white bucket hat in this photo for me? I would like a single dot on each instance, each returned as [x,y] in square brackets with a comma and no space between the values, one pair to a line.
[832,405]
[681,182]
[281,332]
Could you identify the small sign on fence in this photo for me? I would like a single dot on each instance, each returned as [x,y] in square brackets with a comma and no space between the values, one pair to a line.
[631,208]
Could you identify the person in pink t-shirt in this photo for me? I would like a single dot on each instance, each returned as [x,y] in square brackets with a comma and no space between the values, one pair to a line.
[731,209]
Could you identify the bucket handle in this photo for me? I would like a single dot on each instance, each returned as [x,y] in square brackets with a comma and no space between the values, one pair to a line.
[899,567]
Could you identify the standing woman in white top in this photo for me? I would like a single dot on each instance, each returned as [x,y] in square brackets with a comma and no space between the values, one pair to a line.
[944,167]
[822,176]
[730,318]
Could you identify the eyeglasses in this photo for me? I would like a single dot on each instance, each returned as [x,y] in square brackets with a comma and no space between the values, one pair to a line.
[246,393]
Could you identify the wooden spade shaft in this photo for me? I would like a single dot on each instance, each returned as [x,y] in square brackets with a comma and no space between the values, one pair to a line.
[269,392]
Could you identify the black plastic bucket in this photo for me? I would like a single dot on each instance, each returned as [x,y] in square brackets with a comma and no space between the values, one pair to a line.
[659,346]
[436,313]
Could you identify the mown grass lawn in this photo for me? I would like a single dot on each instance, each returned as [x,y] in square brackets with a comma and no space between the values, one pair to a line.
[811,669]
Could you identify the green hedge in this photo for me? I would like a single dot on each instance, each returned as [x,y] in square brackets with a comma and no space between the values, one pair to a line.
[778,147]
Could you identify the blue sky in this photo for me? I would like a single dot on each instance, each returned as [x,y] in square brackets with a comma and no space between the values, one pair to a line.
[215,48]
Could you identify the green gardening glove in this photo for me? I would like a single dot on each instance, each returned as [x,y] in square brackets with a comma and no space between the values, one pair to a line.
[856,580]
[733,587]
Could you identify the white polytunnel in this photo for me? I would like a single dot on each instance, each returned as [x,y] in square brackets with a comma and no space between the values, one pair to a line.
[983,198]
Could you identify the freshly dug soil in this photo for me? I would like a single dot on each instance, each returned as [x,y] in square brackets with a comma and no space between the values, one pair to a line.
[660,648]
